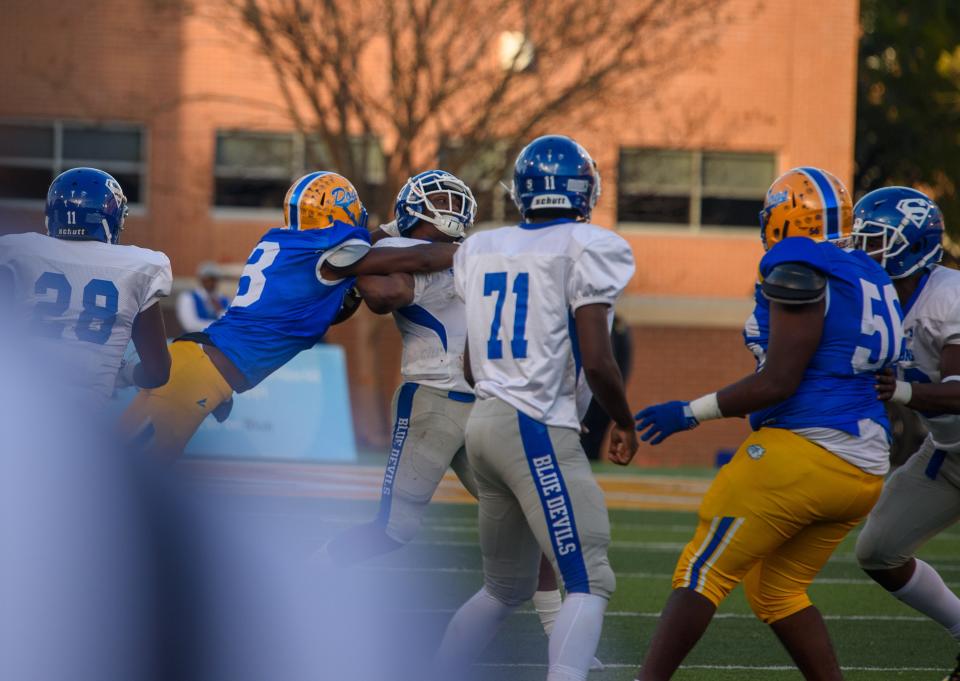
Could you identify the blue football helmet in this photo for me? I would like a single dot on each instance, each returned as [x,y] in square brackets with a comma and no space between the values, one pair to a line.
[86,204]
[901,225]
[415,202]
[554,173]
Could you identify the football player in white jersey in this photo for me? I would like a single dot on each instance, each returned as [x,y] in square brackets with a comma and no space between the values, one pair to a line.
[904,228]
[79,297]
[537,300]
[431,406]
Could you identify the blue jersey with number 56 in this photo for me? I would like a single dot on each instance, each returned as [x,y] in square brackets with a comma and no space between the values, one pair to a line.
[283,306]
[862,334]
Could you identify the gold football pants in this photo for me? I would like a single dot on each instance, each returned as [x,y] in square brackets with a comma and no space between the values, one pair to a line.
[772,518]
[162,420]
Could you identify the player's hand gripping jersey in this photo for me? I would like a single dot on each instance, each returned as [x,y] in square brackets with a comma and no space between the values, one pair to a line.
[77,301]
[283,304]
[862,335]
[433,328]
[529,280]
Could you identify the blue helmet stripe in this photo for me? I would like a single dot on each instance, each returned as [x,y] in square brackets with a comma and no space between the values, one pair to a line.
[831,202]
[295,197]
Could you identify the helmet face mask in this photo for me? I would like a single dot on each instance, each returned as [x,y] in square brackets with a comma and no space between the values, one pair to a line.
[438,198]
[899,227]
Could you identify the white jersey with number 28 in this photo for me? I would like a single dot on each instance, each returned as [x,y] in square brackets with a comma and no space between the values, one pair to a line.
[522,286]
[77,301]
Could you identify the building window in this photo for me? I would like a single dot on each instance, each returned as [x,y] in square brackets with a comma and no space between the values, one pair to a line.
[32,153]
[669,187]
[255,169]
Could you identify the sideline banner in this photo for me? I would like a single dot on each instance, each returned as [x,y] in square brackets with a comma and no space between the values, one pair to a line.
[301,412]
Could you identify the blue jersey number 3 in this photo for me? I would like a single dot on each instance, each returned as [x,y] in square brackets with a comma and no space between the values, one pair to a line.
[496,282]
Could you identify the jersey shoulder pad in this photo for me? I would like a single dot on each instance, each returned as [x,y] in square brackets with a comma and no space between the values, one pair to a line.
[941,295]
[797,249]
[599,239]
[145,258]
[794,283]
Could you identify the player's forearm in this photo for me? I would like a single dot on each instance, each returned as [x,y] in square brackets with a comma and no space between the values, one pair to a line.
[429,258]
[755,392]
[152,374]
[607,385]
[937,397]
[386,294]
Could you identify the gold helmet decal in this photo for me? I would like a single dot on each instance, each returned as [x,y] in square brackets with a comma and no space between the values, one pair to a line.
[319,200]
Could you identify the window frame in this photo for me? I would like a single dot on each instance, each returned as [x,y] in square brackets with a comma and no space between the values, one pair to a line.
[697,193]
[57,164]
[296,165]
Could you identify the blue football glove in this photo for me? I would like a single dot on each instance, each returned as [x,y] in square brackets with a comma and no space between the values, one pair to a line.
[663,420]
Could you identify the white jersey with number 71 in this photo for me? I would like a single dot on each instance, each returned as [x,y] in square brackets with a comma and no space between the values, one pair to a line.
[522,286]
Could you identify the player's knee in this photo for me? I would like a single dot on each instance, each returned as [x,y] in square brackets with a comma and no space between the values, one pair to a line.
[511,591]
[403,529]
[772,604]
[603,582]
[714,586]
[874,552]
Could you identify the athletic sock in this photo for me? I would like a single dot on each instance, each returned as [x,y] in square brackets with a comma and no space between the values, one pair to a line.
[927,593]
[548,605]
[575,636]
[469,633]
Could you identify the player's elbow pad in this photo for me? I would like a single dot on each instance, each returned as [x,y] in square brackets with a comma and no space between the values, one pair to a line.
[794,283]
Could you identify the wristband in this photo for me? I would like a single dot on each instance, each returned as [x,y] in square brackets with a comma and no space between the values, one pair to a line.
[706,408]
[902,393]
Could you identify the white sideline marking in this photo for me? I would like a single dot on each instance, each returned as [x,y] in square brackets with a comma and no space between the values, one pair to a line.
[939,563]
[731,667]
[620,575]
[718,616]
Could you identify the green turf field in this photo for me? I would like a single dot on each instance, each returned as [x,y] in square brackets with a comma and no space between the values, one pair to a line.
[876,636]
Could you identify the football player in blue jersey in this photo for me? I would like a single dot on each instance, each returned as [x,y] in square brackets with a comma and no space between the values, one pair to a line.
[826,321]
[290,292]
[904,228]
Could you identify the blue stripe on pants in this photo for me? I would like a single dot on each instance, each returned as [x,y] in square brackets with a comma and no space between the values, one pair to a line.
[400,429]
[722,528]
[557,509]
[936,461]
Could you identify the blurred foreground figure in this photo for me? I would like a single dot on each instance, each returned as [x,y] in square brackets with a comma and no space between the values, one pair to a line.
[117,567]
